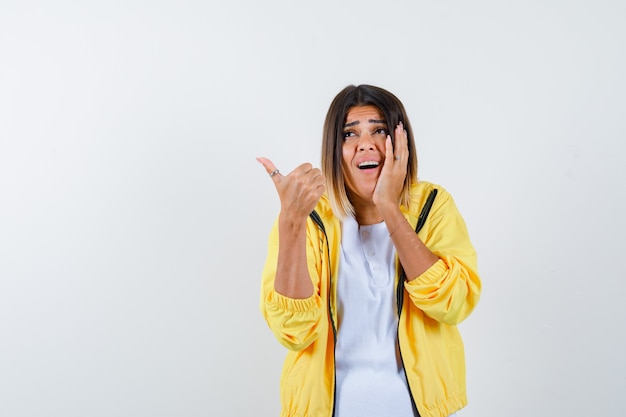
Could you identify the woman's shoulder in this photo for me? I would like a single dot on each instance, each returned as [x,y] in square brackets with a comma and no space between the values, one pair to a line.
[420,192]
[324,209]
[422,188]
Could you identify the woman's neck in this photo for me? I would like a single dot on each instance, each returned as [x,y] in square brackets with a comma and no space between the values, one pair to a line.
[366,212]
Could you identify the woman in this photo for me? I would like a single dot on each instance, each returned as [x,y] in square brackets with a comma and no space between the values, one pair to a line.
[366,306]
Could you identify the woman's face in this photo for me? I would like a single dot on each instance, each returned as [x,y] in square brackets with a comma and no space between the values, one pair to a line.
[364,133]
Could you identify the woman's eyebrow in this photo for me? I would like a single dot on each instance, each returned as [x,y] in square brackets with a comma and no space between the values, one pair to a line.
[356,122]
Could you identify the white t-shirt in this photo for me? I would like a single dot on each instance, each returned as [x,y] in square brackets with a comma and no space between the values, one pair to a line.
[370,378]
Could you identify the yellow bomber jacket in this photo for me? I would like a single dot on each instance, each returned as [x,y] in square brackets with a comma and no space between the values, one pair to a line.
[431,306]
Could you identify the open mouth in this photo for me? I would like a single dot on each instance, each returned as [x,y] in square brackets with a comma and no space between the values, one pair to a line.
[369,165]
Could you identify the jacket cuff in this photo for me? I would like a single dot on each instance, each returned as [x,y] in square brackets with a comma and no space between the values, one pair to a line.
[431,275]
[280,302]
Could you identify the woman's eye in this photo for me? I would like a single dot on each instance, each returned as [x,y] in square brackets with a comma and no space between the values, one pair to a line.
[381,131]
[348,134]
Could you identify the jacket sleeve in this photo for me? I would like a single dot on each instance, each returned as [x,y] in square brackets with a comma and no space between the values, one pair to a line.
[294,322]
[449,290]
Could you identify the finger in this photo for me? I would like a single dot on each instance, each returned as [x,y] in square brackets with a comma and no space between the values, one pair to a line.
[389,150]
[303,169]
[317,177]
[313,173]
[401,139]
[321,183]
[269,166]
[401,148]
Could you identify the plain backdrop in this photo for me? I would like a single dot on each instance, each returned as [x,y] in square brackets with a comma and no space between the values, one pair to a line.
[134,217]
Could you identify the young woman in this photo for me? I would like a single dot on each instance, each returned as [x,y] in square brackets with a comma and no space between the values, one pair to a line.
[366,306]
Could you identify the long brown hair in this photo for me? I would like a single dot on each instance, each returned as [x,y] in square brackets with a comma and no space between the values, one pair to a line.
[393,110]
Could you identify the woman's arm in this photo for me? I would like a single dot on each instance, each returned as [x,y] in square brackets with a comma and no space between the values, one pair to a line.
[292,276]
[295,322]
[299,191]
[413,254]
[449,288]
[440,262]
[290,304]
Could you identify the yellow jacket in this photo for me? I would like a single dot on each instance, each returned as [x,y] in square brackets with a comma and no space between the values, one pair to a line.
[430,344]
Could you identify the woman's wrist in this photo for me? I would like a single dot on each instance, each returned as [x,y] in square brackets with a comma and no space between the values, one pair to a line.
[394,228]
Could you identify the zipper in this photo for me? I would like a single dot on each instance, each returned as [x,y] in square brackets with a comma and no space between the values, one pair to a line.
[400,300]
[421,220]
[318,220]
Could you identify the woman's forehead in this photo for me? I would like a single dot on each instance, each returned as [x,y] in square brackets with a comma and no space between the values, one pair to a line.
[367,113]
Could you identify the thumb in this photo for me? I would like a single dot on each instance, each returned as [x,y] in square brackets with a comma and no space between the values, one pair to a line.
[269,166]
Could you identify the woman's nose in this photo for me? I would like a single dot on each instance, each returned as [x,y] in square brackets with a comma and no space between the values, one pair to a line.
[366,141]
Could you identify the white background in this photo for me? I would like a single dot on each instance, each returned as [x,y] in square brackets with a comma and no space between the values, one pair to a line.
[134,217]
